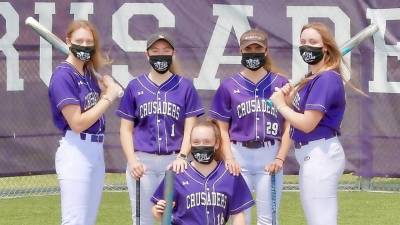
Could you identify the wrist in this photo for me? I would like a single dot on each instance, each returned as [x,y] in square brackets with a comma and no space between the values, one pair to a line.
[280,159]
[181,156]
[280,107]
[105,97]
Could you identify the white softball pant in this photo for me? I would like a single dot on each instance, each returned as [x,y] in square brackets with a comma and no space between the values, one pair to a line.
[252,163]
[80,170]
[321,165]
[155,171]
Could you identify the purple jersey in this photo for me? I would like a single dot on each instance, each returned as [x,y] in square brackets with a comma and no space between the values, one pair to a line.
[69,87]
[210,200]
[324,93]
[159,112]
[244,106]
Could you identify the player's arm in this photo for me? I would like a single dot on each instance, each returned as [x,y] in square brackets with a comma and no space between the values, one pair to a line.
[230,162]
[180,164]
[238,219]
[283,150]
[79,121]
[126,138]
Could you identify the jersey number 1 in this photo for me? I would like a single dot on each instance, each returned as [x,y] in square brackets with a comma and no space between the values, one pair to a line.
[173,130]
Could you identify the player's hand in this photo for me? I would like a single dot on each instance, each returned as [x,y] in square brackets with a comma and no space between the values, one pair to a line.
[136,169]
[160,206]
[233,166]
[178,165]
[112,89]
[278,97]
[274,167]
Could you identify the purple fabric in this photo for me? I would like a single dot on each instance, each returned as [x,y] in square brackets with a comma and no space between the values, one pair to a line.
[159,112]
[243,104]
[324,93]
[207,200]
[69,87]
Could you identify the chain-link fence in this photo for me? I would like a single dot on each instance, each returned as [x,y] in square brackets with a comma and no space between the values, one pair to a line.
[23,186]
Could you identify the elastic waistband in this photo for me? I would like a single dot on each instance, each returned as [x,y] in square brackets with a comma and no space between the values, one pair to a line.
[97,138]
[255,144]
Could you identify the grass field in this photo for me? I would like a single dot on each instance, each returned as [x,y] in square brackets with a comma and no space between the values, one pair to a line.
[356,208]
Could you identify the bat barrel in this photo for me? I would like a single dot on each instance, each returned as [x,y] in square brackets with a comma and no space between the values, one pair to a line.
[168,196]
[358,38]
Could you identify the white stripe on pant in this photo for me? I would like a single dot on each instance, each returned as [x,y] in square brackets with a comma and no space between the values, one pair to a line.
[156,166]
[252,163]
[321,165]
[80,170]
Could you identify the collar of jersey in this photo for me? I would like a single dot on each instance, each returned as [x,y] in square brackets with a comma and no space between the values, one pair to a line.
[166,86]
[195,171]
[247,84]
[76,72]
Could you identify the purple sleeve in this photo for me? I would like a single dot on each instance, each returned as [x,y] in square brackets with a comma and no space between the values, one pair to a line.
[63,90]
[242,198]
[193,103]
[127,106]
[323,92]
[221,105]
[159,193]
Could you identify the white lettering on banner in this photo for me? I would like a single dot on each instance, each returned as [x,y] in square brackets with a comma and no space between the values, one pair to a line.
[45,10]
[14,83]
[81,10]
[300,16]
[230,17]
[380,83]
[120,31]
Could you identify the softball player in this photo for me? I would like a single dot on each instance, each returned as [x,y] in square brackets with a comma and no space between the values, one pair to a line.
[315,119]
[159,109]
[253,132]
[77,105]
[206,193]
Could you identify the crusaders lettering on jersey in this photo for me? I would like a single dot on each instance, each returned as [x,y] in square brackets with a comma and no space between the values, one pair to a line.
[90,100]
[206,199]
[161,108]
[255,105]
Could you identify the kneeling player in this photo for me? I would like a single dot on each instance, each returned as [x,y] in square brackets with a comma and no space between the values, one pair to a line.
[206,193]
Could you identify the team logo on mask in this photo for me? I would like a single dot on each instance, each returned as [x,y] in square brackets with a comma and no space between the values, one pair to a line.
[161,66]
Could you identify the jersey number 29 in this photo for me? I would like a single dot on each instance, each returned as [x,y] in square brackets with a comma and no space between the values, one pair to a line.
[272,128]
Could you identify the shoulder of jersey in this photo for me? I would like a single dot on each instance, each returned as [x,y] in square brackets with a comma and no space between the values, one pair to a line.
[280,76]
[60,71]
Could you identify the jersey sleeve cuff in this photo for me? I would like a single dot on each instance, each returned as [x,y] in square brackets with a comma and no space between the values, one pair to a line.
[242,207]
[124,115]
[154,200]
[317,107]
[196,113]
[218,116]
[67,101]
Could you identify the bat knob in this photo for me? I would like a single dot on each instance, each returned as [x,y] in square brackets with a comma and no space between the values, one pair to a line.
[120,94]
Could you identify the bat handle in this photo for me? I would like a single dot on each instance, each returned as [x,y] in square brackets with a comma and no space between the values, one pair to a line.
[168,196]
[273,198]
[138,202]
[120,93]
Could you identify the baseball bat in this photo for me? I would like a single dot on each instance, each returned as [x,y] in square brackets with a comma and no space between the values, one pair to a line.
[168,197]
[273,198]
[57,43]
[138,201]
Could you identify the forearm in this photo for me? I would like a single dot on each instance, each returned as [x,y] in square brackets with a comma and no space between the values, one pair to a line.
[126,139]
[189,123]
[305,122]
[238,219]
[226,145]
[285,142]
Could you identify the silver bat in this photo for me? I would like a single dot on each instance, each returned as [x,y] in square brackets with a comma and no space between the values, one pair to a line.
[57,42]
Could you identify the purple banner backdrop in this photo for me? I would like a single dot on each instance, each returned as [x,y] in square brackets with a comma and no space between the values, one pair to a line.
[206,33]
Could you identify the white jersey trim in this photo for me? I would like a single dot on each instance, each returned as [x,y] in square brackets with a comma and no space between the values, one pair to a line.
[194,111]
[219,114]
[65,99]
[323,107]
[145,86]
[126,114]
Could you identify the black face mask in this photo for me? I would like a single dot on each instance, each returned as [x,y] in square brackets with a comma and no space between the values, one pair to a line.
[84,53]
[203,154]
[311,55]
[160,63]
[253,61]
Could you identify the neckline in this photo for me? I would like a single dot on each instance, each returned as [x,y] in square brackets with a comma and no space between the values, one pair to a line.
[251,82]
[210,174]
[75,70]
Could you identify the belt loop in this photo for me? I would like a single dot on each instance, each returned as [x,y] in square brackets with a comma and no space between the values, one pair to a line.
[83,136]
